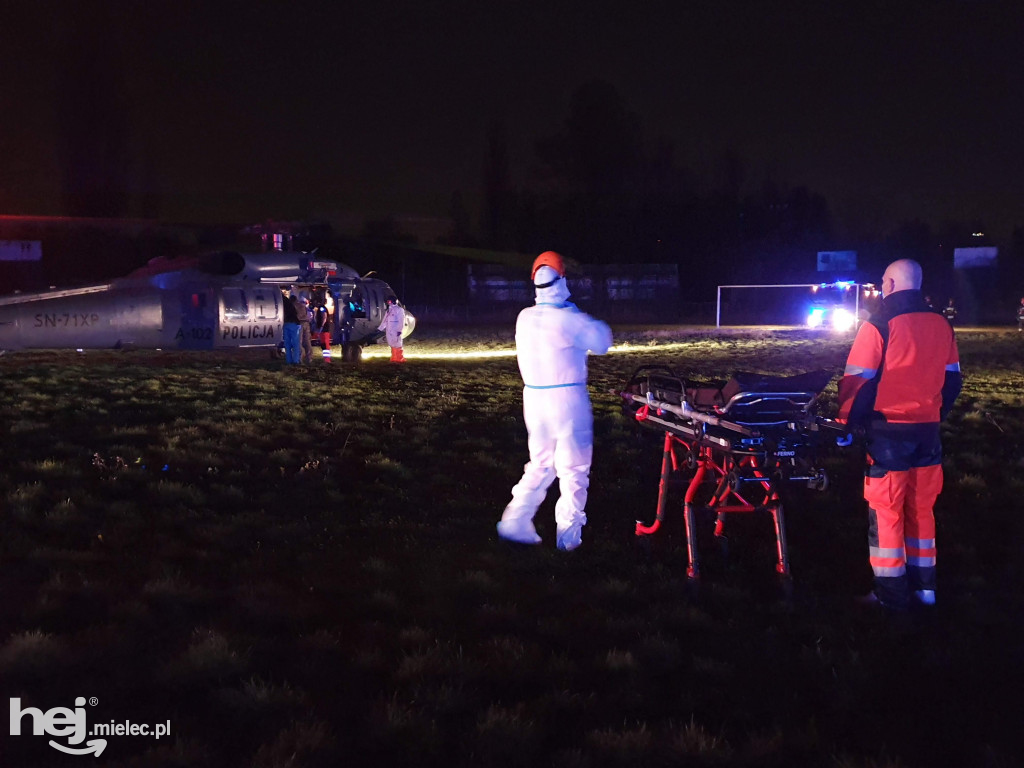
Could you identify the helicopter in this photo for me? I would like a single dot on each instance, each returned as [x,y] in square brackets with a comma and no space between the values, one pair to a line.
[221,300]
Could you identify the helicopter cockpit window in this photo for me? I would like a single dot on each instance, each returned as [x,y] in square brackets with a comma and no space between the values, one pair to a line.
[356,305]
[235,305]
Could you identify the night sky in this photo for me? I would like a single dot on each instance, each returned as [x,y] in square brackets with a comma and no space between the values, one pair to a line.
[244,111]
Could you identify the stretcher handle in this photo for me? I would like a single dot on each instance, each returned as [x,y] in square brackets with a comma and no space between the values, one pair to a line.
[833,426]
[687,412]
[846,435]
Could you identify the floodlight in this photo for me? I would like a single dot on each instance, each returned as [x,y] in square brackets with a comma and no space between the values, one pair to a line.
[842,319]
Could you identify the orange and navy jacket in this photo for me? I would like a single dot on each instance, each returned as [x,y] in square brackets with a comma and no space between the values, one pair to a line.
[904,366]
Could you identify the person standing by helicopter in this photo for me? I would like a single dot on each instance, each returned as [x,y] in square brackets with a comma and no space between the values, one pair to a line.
[306,337]
[292,332]
[393,324]
[324,324]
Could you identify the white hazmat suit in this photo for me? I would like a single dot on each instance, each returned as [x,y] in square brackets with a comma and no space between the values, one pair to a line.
[393,324]
[552,341]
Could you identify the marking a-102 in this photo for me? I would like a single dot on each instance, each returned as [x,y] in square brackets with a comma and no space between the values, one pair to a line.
[222,300]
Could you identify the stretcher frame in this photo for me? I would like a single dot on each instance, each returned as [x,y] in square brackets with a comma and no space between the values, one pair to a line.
[753,432]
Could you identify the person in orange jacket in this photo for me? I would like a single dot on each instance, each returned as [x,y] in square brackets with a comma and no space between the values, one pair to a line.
[902,377]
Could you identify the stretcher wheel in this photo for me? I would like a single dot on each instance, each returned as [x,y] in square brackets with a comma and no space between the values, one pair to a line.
[692,589]
[819,482]
[786,587]
[642,545]
[733,478]
[723,545]
[690,460]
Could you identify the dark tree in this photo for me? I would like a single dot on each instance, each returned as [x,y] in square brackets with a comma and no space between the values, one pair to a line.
[1014,264]
[460,234]
[592,167]
[498,195]
[93,113]
[598,150]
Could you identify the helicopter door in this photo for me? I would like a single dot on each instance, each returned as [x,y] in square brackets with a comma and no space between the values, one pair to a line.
[374,314]
[352,312]
[198,318]
[267,310]
[248,317]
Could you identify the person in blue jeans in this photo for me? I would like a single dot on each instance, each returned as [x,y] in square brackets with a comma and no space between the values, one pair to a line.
[292,330]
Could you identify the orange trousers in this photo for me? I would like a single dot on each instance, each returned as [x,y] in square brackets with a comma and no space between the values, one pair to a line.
[901,519]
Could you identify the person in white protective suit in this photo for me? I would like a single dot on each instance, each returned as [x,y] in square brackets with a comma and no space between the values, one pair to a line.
[392,325]
[553,338]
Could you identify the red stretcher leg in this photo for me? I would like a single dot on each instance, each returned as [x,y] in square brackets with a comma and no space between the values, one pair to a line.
[689,511]
[782,566]
[693,559]
[667,464]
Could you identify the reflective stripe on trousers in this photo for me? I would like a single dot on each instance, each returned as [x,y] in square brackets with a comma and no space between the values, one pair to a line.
[901,523]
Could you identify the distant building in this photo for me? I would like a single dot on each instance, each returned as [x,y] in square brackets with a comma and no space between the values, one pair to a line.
[641,291]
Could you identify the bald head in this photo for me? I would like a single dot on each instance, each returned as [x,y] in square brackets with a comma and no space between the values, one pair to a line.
[901,275]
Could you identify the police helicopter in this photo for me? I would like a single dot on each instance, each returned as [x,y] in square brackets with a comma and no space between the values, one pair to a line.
[222,300]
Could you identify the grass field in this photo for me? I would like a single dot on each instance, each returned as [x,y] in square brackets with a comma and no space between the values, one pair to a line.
[298,567]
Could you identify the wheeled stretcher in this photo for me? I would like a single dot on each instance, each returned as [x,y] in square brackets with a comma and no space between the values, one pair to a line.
[746,437]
